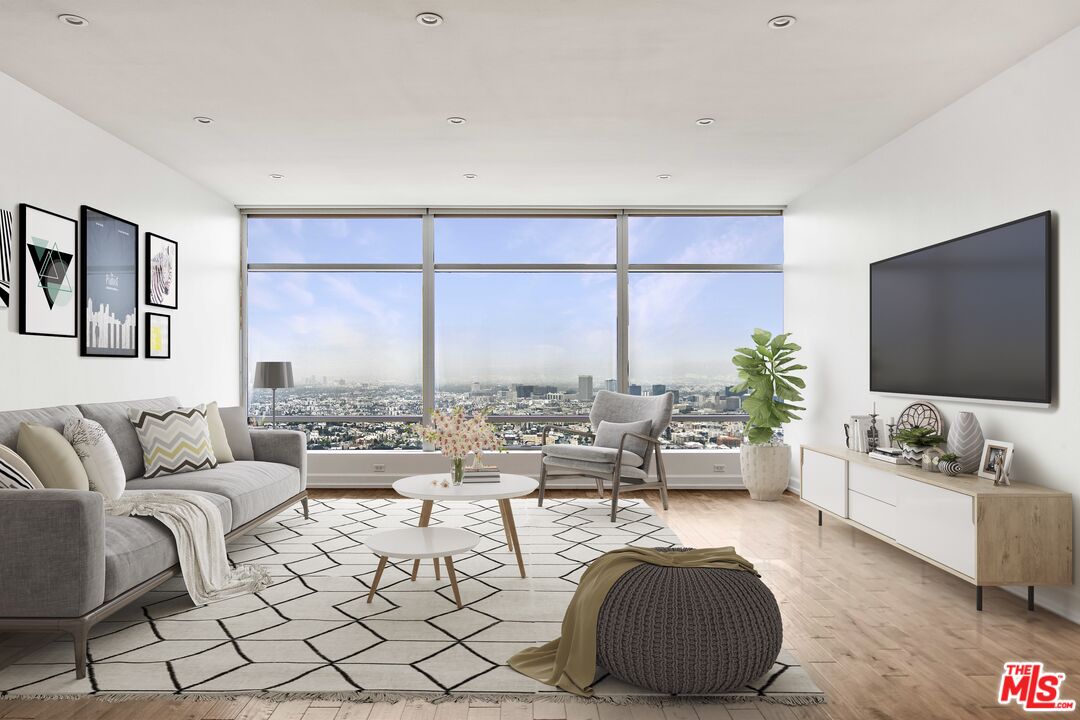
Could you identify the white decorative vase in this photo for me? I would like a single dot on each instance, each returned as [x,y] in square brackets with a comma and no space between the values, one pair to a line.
[765,469]
[966,441]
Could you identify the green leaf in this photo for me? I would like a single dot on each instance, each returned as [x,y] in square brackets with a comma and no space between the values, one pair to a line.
[746,351]
[761,337]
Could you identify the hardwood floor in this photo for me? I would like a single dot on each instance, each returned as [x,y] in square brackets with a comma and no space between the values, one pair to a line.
[885,635]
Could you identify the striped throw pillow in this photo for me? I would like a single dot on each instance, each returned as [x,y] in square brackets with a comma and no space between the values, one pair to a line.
[15,474]
[174,441]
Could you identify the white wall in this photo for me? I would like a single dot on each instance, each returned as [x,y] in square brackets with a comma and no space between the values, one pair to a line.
[1009,149]
[55,160]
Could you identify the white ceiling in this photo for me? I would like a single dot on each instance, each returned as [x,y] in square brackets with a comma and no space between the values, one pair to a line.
[569,102]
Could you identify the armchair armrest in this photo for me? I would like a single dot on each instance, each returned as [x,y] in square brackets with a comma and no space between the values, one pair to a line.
[573,431]
[653,443]
[288,447]
[53,559]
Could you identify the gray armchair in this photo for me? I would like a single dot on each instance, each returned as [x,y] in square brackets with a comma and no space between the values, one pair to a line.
[620,456]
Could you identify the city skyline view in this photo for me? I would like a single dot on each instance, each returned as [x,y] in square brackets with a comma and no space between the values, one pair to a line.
[521,341]
[504,327]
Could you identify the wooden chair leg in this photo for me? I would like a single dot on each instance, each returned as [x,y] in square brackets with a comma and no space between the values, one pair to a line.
[378,576]
[614,496]
[661,474]
[543,481]
[453,579]
[79,637]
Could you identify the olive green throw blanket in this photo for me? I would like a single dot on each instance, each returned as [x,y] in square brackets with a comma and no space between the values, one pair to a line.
[569,662]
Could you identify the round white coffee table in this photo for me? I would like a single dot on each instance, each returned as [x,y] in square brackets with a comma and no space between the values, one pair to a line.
[419,544]
[429,489]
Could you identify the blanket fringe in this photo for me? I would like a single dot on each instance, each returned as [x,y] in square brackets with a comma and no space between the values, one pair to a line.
[792,699]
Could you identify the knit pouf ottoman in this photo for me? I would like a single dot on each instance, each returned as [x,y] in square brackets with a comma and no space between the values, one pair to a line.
[692,631]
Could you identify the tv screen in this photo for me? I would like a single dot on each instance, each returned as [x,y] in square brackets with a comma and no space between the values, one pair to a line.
[967,318]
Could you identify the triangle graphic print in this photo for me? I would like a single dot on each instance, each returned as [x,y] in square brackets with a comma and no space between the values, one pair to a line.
[52,267]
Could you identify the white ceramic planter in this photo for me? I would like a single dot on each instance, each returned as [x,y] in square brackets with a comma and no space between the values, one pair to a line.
[765,470]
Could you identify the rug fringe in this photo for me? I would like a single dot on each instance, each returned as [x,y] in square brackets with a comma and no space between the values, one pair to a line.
[794,700]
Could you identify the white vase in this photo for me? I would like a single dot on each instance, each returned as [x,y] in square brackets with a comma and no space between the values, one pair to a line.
[966,441]
[765,469]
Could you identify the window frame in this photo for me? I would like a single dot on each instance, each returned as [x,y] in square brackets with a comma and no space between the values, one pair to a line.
[622,268]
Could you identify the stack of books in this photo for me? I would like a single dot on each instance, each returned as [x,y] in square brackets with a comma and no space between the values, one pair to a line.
[483,474]
[889,455]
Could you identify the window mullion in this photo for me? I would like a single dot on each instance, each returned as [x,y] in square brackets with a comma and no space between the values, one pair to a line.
[622,302]
[428,320]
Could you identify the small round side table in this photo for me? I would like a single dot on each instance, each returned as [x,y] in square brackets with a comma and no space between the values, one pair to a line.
[420,544]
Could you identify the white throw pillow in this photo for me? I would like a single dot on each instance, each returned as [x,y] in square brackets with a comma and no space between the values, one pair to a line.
[99,457]
[174,441]
[218,438]
[15,474]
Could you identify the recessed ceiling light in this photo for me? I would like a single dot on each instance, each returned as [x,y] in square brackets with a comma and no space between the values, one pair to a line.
[470,176]
[455,120]
[663,176]
[782,22]
[203,120]
[705,121]
[277,176]
[429,19]
[73,20]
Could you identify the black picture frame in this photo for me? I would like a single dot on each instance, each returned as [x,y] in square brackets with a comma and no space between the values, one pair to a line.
[111,245]
[150,355]
[152,288]
[27,324]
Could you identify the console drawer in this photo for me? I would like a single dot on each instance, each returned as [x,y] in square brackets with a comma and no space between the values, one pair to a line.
[937,523]
[874,514]
[878,484]
[823,482]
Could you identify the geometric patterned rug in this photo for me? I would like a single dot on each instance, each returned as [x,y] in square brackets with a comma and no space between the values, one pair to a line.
[311,634]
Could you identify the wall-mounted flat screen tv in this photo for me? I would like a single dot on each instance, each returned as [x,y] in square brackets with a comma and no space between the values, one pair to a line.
[966,318]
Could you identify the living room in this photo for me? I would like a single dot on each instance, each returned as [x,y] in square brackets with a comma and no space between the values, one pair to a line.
[422,312]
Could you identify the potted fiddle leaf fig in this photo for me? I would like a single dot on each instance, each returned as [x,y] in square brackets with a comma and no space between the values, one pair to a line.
[767,371]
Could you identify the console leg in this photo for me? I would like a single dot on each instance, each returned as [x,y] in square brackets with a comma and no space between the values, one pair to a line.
[819,518]
[978,597]
[1031,598]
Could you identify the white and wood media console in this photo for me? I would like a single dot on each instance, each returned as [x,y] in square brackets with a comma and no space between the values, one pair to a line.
[1019,534]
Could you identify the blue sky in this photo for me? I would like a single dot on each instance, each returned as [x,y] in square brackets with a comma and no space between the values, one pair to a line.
[511,327]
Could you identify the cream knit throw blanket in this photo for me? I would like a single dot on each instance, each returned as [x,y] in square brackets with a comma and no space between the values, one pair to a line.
[195,522]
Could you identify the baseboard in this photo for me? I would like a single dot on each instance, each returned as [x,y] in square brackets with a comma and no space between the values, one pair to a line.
[383,480]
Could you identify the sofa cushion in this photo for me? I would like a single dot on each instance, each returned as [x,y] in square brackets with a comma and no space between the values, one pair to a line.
[252,487]
[138,548]
[592,453]
[15,474]
[53,417]
[114,418]
[237,431]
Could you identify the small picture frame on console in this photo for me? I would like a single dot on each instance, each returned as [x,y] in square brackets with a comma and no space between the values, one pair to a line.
[993,450]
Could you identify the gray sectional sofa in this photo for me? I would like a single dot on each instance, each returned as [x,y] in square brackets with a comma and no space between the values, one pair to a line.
[66,565]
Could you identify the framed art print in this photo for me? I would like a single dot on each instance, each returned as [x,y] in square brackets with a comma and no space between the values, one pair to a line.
[162,271]
[48,272]
[6,222]
[109,310]
[158,336]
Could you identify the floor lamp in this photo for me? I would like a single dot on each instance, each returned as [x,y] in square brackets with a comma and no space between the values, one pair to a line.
[271,376]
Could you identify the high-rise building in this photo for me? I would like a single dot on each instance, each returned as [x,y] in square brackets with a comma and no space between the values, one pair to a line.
[475,389]
[733,403]
[610,385]
[658,389]
[635,389]
[584,388]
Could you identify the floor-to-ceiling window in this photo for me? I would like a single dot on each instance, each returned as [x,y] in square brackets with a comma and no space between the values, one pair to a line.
[385,317]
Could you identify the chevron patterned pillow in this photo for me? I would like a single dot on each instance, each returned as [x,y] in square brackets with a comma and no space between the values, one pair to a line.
[174,441]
